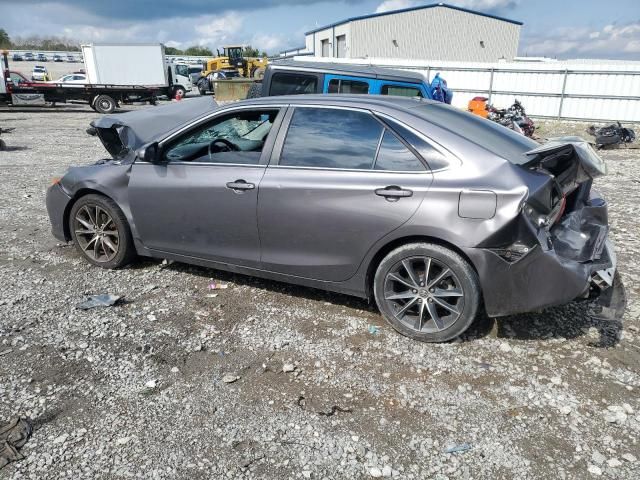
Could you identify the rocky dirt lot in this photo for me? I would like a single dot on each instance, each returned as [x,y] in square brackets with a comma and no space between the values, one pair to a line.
[320,387]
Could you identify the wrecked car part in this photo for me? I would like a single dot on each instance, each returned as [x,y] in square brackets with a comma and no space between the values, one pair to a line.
[13,436]
[614,134]
[102,300]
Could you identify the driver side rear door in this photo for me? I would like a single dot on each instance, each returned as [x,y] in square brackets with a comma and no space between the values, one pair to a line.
[201,200]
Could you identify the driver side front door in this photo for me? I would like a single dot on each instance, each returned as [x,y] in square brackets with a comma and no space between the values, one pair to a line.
[201,201]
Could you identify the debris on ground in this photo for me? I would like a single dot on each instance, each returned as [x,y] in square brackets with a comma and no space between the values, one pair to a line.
[463,447]
[374,330]
[217,286]
[102,300]
[288,367]
[230,378]
[13,436]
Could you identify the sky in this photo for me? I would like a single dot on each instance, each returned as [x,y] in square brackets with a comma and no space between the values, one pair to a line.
[553,28]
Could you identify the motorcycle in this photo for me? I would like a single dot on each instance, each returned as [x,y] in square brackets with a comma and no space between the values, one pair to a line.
[613,134]
[513,117]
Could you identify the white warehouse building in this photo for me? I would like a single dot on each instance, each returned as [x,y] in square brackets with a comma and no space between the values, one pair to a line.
[436,32]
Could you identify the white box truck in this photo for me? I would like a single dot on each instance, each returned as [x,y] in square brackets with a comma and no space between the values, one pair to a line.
[116,73]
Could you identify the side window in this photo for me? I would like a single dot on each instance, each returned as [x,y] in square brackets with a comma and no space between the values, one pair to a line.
[292,84]
[331,138]
[337,85]
[182,70]
[435,160]
[401,91]
[395,156]
[234,138]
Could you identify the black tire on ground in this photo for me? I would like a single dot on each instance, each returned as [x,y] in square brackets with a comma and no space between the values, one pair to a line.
[463,274]
[255,90]
[106,208]
[3,146]
[104,104]
[182,91]
[203,86]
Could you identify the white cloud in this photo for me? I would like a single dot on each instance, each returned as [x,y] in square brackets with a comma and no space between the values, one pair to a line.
[480,5]
[611,41]
[389,5]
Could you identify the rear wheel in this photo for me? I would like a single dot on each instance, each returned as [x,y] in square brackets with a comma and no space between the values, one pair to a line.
[104,104]
[427,292]
[255,90]
[100,232]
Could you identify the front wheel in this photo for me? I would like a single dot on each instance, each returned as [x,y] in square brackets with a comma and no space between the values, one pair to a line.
[179,91]
[427,292]
[100,232]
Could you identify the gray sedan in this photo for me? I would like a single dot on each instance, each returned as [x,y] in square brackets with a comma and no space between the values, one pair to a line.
[433,212]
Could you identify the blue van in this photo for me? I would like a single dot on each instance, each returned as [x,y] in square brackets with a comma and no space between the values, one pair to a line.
[289,77]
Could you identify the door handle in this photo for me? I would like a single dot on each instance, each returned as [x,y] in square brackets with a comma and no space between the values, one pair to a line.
[240,185]
[393,193]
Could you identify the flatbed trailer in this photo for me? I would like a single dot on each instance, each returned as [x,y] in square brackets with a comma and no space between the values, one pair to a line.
[102,98]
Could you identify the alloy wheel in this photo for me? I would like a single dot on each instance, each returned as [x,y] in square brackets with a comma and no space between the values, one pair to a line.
[424,294]
[96,233]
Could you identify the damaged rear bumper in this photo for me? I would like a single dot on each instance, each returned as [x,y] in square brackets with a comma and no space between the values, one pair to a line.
[573,260]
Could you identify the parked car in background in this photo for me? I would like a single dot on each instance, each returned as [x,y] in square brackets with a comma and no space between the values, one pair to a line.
[206,84]
[71,59]
[195,72]
[432,211]
[29,57]
[289,77]
[41,57]
[78,78]
[17,57]
[40,73]
[58,58]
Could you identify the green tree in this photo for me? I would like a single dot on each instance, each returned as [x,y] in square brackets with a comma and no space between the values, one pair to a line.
[173,51]
[5,41]
[198,51]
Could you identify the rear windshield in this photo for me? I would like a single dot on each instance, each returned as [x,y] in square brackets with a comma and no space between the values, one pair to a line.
[493,137]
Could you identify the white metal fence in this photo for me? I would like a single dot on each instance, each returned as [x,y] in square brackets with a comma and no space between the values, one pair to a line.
[594,91]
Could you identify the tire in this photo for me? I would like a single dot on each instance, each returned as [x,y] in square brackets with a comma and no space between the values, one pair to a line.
[179,89]
[255,90]
[3,146]
[258,73]
[459,290]
[203,86]
[104,104]
[109,250]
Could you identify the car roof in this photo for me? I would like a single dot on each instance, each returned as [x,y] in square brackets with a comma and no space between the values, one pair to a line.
[347,100]
[348,69]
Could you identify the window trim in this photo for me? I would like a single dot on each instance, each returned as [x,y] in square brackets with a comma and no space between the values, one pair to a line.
[452,160]
[266,149]
[276,154]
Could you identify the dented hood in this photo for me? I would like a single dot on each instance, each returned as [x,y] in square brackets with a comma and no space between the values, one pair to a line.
[124,132]
[589,159]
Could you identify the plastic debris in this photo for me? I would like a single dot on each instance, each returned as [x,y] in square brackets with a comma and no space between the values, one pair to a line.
[217,286]
[373,330]
[463,447]
[102,300]
[13,436]
[230,378]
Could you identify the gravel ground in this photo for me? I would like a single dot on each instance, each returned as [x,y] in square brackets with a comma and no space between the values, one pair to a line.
[318,385]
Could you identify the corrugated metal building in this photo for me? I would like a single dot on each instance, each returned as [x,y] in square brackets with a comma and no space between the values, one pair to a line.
[436,32]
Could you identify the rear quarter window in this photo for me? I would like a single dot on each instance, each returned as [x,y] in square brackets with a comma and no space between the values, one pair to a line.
[338,85]
[401,91]
[292,84]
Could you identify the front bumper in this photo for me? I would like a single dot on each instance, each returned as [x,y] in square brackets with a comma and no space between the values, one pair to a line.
[57,204]
[575,260]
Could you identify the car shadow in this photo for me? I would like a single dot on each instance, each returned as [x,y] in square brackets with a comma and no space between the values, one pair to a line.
[308,293]
[566,322]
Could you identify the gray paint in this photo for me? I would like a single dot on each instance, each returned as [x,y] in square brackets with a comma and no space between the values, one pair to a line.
[326,228]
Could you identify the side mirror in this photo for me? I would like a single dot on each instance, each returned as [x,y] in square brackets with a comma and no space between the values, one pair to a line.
[149,153]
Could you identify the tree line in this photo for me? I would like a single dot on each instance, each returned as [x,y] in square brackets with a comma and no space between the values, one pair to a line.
[37,42]
[53,43]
